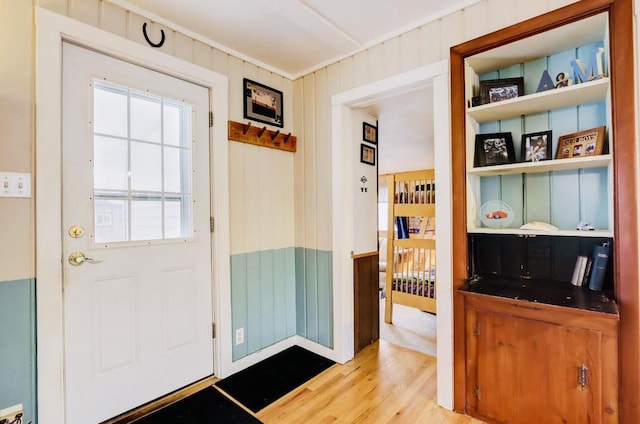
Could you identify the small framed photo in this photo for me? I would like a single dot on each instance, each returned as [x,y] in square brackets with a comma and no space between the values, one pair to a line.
[536,146]
[367,154]
[262,103]
[494,149]
[492,91]
[369,133]
[582,143]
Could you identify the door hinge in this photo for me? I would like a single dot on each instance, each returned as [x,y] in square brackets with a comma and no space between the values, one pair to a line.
[583,376]
[213,330]
[210,119]
[476,330]
[212,224]
[476,391]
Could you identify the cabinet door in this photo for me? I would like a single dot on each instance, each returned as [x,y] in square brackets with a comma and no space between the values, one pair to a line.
[528,371]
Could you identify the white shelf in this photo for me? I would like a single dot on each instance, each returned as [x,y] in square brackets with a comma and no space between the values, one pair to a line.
[517,231]
[539,102]
[600,161]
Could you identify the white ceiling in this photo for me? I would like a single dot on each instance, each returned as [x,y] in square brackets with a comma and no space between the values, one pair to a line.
[294,37]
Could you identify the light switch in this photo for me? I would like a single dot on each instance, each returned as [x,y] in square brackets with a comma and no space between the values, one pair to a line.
[15,184]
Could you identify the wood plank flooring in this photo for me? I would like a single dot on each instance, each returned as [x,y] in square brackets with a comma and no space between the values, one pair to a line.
[384,383]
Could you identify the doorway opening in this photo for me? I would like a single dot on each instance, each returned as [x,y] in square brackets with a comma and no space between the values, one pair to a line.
[348,108]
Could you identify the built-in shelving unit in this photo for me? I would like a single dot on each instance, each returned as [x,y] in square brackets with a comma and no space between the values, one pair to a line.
[600,161]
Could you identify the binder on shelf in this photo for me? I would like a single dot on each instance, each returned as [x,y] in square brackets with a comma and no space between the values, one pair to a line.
[578,271]
[599,266]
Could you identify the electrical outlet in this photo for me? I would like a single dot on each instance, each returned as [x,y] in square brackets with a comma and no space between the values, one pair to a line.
[239,336]
[11,415]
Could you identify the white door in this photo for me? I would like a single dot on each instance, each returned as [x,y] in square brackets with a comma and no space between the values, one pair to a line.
[136,240]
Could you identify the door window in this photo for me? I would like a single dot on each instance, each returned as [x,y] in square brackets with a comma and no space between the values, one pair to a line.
[142,168]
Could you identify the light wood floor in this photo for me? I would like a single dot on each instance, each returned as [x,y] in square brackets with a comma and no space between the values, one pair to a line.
[384,383]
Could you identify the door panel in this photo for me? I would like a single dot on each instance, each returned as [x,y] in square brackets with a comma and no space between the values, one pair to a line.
[137,302]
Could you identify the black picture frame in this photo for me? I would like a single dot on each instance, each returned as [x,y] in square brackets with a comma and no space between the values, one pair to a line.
[368,154]
[492,91]
[494,149]
[536,146]
[369,133]
[261,103]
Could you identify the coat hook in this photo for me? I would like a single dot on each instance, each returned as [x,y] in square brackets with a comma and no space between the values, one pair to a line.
[261,131]
[246,128]
[146,37]
[286,137]
[275,134]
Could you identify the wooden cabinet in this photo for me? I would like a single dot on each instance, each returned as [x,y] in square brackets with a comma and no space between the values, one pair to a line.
[540,363]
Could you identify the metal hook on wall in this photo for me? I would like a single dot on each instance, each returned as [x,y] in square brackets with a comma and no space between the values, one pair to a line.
[146,37]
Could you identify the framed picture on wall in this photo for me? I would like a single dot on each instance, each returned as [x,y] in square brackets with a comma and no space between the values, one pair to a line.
[494,149]
[369,133]
[367,154]
[262,103]
[582,143]
[536,146]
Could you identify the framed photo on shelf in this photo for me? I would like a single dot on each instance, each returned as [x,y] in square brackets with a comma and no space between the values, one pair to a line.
[494,149]
[582,143]
[369,133]
[262,103]
[536,146]
[492,91]
[367,154]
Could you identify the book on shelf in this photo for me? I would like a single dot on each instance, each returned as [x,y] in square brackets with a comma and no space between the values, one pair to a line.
[587,272]
[599,266]
[578,270]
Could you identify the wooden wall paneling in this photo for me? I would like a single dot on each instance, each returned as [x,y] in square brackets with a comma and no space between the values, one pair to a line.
[239,306]
[323,159]
[113,19]
[347,79]
[261,194]
[537,200]
[183,46]
[253,330]
[409,59]
[311,294]
[134,29]
[290,290]
[429,43]
[325,298]
[593,188]
[532,72]
[85,11]
[511,189]
[267,297]
[202,55]
[501,13]
[361,68]
[391,57]
[528,9]
[476,20]
[236,71]
[299,180]
[280,278]
[452,32]
[220,63]
[565,204]
[237,201]
[310,164]
[58,6]
[376,59]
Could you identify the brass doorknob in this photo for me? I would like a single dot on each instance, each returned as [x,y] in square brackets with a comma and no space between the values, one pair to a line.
[78,258]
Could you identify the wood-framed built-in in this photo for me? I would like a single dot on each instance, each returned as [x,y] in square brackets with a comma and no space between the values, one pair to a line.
[624,201]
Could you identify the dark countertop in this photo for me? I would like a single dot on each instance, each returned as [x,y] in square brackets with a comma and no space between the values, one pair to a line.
[542,291]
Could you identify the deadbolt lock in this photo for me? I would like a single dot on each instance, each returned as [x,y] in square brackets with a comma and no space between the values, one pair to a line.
[76,231]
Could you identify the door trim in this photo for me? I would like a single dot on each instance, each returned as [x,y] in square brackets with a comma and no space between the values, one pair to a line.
[51,30]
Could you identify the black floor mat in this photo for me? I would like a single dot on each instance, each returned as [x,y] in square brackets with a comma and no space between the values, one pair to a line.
[205,406]
[268,380]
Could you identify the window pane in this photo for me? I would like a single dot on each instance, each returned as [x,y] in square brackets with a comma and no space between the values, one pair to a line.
[146,219]
[172,125]
[145,118]
[146,167]
[111,219]
[177,217]
[110,163]
[109,110]
[177,170]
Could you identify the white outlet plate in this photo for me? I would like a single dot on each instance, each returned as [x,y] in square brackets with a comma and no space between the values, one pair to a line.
[10,414]
[239,336]
[15,184]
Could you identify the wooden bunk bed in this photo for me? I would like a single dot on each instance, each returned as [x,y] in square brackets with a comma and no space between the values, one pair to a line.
[411,270]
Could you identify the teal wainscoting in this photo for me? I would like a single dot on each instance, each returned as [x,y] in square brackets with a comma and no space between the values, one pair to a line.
[563,198]
[263,298]
[314,295]
[18,346]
